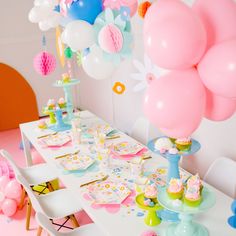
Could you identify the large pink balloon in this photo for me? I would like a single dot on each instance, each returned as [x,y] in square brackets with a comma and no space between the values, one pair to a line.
[175,103]
[4,180]
[9,207]
[218,69]
[219,19]
[13,189]
[174,36]
[218,108]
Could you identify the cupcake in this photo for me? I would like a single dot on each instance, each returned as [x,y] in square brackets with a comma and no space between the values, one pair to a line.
[192,196]
[61,103]
[42,124]
[163,144]
[195,181]
[175,189]
[183,144]
[150,195]
[65,78]
[51,105]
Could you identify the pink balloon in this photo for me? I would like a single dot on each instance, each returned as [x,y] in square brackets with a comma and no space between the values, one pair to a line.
[174,36]
[219,19]
[218,69]
[4,180]
[175,103]
[9,207]
[13,190]
[218,108]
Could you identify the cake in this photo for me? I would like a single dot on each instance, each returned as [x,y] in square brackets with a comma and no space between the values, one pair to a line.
[51,105]
[175,189]
[61,103]
[192,196]
[163,144]
[183,144]
[42,124]
[65,78]
[150,195]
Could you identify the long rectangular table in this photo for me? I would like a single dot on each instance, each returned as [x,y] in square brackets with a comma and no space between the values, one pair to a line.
[125,221]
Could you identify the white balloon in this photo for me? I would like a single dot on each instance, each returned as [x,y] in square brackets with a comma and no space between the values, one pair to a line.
[39,13]
[95,66]
[54,19]
[50,3]
[44,26]
[78,35]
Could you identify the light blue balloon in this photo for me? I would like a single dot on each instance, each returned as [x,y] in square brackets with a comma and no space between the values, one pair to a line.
[86,10]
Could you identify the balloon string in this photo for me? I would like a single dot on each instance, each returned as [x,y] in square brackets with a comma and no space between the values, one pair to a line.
[69,67]
[44,43]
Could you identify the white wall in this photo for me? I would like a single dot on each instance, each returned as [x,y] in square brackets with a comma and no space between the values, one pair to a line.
[20,41]
[216,138]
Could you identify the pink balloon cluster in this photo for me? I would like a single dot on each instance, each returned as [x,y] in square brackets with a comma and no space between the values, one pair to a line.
[10,194]
[198,45]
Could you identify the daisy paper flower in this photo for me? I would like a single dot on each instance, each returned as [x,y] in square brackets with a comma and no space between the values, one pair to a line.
[113,35]
[118,88]
[147,71]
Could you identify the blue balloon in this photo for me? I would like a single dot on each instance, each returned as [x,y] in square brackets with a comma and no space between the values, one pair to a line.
[86,10]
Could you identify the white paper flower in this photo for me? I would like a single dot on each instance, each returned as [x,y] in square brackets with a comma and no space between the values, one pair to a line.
[147,71]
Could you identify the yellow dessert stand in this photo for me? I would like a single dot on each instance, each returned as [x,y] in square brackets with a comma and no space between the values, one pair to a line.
[151,218]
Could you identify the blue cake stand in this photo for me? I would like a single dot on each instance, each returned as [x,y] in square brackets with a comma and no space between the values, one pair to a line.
[60,125]
[173,171]
[67,87]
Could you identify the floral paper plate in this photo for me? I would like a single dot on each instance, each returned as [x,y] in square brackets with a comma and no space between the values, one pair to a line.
[56,140]
[76,162]
[108,192]
[126,148]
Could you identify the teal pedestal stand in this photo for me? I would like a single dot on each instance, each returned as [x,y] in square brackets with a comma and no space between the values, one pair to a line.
[186,226]
[173,171]
[67,87]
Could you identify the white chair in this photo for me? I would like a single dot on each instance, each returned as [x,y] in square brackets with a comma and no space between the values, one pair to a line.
[36,174]
[86,230]
[222,175]
[55,205]
[140,130]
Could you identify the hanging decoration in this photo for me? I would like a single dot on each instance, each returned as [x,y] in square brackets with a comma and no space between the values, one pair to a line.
[60,47]
[143,7]
[113,35]
[44,62]
[68,53]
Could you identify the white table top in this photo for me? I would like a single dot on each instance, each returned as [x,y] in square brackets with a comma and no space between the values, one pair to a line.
[125,222]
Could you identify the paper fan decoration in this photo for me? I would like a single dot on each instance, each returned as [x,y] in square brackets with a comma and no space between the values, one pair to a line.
[113,35]
[147,71]
[44,63]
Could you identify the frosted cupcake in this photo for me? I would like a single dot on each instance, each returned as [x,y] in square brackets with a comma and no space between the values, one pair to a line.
[150,195]
[51,105]
[42,124]
[195,181]
[192,196]
[163,144]
[61,103]
[65,78]
[183,144]
[175,189]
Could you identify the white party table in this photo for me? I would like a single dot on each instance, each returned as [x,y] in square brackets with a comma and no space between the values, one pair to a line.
[127,220]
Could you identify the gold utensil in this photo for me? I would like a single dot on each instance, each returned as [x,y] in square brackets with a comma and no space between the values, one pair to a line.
[67,154]
[94,181]
[112,137]
[47,135]
[146,158]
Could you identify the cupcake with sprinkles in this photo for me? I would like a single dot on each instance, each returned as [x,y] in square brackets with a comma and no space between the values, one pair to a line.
[175,189]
